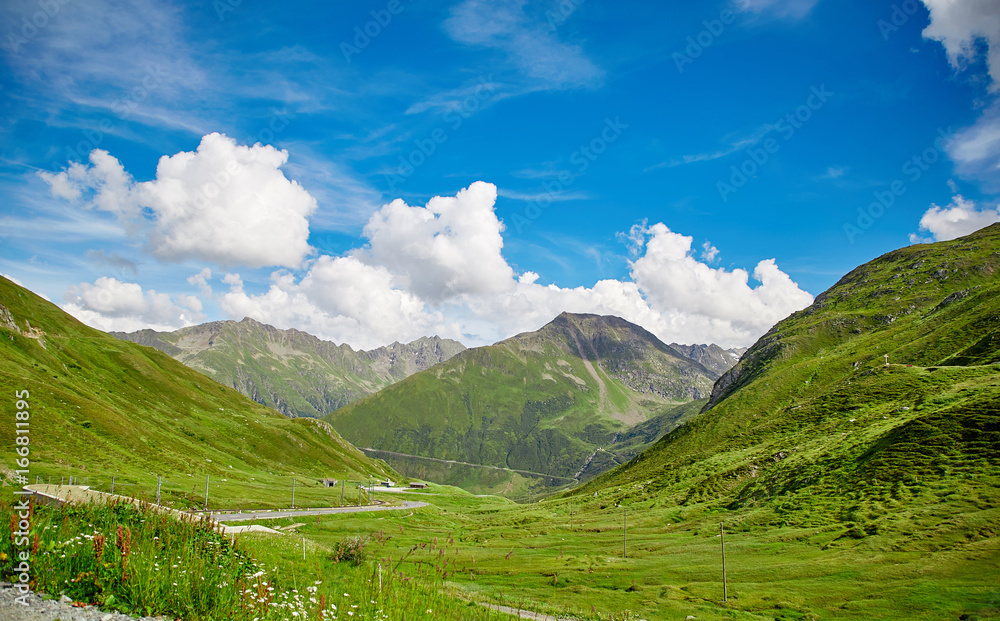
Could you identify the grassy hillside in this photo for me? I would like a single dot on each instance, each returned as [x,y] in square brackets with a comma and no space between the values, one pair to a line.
[812,428]
[101,407]
[289,370]
[541,402]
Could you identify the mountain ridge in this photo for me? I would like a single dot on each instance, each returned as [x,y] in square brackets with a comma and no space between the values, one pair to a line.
[291,370]
[540,401]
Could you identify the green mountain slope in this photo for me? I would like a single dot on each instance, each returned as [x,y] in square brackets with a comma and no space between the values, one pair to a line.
[289,370]
[541,402]
[101,407]
[812,427]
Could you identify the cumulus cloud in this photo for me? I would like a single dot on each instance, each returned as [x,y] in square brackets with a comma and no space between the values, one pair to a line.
[224,203]
[110,304]
[448,248]
[682,288]
[339,299]
[961,26]
[969,30]
[108,187]
[958,218]
[432,269]
[439,269]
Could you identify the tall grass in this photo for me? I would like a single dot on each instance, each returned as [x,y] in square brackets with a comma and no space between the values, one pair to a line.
[136,560]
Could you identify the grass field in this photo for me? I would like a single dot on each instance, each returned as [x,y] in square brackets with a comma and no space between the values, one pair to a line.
[566,557]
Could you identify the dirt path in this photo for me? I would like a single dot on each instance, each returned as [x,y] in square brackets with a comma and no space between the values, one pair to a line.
[527,614]
[276,515]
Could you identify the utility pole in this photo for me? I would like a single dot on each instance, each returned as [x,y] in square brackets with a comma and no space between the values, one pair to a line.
[722,535]
[625,536]
[112,485]
[158,481]
[293,493]
[206,492]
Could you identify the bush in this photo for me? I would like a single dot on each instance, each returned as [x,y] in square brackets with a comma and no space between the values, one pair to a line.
[350,550]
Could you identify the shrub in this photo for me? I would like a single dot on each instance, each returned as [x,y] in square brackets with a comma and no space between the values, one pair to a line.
[350,550]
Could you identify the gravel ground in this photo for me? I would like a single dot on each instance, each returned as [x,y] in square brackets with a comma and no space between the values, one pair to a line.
[39,609]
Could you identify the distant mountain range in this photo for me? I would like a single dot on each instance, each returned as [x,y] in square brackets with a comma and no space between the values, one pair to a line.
[711,356]
[289,370]
[299,374]
[547,402]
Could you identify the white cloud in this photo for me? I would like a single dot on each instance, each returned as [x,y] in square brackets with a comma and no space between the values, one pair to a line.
[779,8]
[12,279]
[965,28]
[709,252]
[110,304]
[105,182]
[527,278]
[530,45]
[439,269]
[720,304]
[224,203]
[339,299]
[200,280]
[960,25]
[229,204]
[448,248]
[127,57]
[976,149]
[957,219]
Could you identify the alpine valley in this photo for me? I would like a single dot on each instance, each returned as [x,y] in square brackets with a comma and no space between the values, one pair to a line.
[847,466]
[539,410]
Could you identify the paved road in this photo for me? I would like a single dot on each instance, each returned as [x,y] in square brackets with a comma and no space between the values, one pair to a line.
[275,515]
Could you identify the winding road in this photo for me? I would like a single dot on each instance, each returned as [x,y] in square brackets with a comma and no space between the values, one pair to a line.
[275,515]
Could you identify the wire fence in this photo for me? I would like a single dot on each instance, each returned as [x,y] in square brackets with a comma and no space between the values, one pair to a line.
[213,492]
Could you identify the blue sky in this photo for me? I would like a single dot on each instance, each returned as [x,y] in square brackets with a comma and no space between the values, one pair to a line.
[702,169]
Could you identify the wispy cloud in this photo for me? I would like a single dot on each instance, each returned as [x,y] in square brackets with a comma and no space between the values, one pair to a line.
[793,9]
[707,156]
[548,196]
[528,45]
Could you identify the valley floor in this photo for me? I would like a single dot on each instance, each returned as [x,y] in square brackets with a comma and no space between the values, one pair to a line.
[571,559]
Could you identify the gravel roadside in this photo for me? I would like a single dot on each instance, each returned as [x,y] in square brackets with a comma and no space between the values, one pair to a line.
[39,609]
